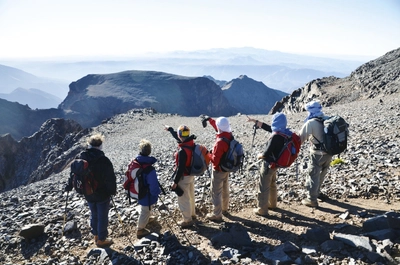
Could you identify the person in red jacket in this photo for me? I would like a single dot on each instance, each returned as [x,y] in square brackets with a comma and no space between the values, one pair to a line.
[219,178]
[183,181]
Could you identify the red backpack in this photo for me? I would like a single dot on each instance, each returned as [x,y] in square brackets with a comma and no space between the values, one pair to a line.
[289,152]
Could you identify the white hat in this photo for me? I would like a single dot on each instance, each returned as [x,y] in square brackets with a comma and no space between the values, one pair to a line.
[223,125]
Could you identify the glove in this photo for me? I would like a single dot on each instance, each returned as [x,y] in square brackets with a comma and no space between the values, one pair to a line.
[68,187]
[204,119]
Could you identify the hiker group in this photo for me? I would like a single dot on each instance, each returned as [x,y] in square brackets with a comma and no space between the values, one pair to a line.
[93,176]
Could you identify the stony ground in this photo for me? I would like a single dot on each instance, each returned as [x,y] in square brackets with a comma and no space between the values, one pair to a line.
[366,185]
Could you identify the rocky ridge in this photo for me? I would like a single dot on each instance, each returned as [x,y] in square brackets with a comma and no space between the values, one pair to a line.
[358,224]
[21,163]
[373,79]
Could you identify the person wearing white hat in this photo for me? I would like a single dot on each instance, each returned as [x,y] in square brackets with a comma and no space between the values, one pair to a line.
[219,178]
[313,131]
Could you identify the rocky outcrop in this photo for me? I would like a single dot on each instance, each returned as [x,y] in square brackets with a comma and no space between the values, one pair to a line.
[34,158]
[373,79]
[97,97]
[250,96]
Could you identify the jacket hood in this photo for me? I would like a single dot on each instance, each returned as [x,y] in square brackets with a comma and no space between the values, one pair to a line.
[146,159]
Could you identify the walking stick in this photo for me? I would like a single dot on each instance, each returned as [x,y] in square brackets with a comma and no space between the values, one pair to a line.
[254,134]
[170,214]
[125,231]
[65,214]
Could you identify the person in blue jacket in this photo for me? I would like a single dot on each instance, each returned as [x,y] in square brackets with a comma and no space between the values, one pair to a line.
[154,190]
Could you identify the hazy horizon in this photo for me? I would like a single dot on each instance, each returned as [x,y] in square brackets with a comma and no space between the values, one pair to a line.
[52,30]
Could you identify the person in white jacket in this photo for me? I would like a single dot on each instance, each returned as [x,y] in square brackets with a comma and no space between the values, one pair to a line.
[313,131]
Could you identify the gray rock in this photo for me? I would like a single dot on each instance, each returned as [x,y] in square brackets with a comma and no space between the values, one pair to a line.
[32,231]
[354,241]
[234,235]
[332,246]
[317,234]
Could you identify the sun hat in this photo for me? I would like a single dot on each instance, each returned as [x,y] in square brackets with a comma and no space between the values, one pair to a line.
[223,124]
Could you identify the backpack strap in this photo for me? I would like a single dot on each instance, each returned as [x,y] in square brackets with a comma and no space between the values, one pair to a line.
[320,144]
[187,169]
[287,138]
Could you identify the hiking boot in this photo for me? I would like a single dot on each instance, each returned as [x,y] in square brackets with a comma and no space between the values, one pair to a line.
[214,218]
[142,232]
[260,212]
[104,243]
[184,224]
[225,213]
[323,197]
[194,217]
[309,203]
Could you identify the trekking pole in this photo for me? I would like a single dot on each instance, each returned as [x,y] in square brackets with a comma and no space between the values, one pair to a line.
[254,134]
[65,215]
[171,215]
[124,230]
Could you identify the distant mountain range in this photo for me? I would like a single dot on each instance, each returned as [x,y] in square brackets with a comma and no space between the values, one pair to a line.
[34,98]
[282,71]
[96,97]
[12,78]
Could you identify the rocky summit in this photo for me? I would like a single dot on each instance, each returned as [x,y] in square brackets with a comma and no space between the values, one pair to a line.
[357,221]
[373,79]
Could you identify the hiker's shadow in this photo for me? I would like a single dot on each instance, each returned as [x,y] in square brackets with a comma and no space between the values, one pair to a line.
[29,248]
[257,227]
[352,208]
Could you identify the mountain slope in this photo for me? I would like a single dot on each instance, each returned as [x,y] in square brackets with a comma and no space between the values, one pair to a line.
[373,79]
[249,96]
[96,97]
[20,120]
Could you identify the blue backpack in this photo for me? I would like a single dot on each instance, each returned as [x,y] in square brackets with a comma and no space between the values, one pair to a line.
[232,160]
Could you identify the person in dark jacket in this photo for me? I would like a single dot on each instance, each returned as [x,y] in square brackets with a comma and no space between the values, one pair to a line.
[219,178]
[99,201]
[183,181]
[267,190]
[150,180]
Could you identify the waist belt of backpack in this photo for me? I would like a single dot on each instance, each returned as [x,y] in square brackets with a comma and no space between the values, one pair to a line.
[319,146]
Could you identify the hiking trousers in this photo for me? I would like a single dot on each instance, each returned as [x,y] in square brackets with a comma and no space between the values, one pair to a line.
[144,216]
[186,201]
[318,167]
[220,191]
[267,191]
[99,218]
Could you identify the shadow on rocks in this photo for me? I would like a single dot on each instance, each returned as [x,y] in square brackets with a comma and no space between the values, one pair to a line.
[30,247]
[354,209]
[262,229]
[111,256]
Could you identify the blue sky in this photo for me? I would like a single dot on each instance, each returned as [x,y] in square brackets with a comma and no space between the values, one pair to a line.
[104,28]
